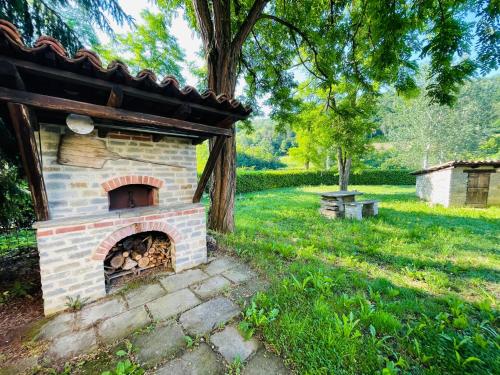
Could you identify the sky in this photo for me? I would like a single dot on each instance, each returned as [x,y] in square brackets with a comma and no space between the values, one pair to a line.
[188,40]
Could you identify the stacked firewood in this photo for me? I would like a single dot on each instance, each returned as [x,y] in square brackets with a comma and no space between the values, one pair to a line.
[141,251]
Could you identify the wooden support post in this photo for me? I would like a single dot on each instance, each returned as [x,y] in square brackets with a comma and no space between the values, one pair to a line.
[209,167]
[115,97]
[227,122]
[23,122]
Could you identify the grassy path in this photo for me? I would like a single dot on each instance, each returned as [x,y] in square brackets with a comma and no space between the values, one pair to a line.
[414,290]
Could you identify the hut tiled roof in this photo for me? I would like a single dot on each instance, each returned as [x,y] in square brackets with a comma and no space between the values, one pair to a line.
[460,163]
[50,52]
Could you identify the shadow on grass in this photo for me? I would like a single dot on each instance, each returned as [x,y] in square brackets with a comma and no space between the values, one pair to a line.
[405,234]
[305,329]
[443,220]
[454,271]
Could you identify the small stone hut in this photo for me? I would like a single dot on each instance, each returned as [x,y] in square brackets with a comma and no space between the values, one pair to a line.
[460,183]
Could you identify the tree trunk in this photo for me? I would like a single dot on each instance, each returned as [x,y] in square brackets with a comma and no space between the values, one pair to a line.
[306,165]
[222,76]
[425,162]
[344,165]
[222,53]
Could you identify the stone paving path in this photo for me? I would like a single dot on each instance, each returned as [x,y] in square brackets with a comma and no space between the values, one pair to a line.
[198,302]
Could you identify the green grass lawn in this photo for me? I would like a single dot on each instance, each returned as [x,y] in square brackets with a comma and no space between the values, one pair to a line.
[413,290]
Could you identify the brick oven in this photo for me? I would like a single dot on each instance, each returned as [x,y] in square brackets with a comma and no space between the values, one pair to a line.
[132,174]
[84,225]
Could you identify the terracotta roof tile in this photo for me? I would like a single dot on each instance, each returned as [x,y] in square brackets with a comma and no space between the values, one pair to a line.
[459,163]
[50,52]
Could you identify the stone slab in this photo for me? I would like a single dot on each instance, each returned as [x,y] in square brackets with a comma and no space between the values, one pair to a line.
[207,316]
[239,274]
[73,344]
[183,279]
[265,363]
[24,365]
[172,304]
[200,361]
[144,294]
[161,343]
[211,287]
[122,325]
[99,311]
[232,345]
[220,265]
[58,325]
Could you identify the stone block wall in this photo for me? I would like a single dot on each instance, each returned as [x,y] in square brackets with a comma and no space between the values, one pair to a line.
[435,187]
[458,187]
[74,191]
[72,252]
[494,193]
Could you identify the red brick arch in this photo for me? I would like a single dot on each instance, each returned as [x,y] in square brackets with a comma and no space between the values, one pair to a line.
[106,245]
[128,180]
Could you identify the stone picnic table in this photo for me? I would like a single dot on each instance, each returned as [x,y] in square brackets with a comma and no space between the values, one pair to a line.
[339,204]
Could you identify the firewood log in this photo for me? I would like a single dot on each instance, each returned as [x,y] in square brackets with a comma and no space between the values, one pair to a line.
[125,254]
[135,255]
[143,262]
[149,242]
[129,264]
[116,261]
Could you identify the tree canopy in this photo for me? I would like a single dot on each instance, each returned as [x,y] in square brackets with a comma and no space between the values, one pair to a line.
[149,46]
[424,133]
[67,21]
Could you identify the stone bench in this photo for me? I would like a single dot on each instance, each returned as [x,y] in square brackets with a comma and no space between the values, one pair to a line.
[360,209]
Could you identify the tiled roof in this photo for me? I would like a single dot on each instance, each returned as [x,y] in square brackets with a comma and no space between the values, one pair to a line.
[50,52]
[460,163]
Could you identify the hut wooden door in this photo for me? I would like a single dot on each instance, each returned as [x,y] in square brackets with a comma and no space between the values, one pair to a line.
[478,185]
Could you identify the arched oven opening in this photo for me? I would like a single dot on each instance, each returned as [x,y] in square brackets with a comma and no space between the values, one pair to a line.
[133,195]
[137,253]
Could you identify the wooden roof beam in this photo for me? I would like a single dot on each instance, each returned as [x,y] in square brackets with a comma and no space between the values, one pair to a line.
[108,113]
[61,75]
[182,112]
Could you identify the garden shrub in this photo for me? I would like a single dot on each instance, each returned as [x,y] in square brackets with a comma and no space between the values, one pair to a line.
[260,162]
[248,181]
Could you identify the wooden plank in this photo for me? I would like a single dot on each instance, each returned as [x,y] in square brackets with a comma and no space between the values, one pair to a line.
[209,167]
[61,75]
[479,170]
[109,113]
[227,122]
[182,112]
[477,189]
[115,97]
[9,76]
[23,124]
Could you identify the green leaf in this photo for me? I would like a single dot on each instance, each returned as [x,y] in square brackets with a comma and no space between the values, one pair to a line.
[121,353]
